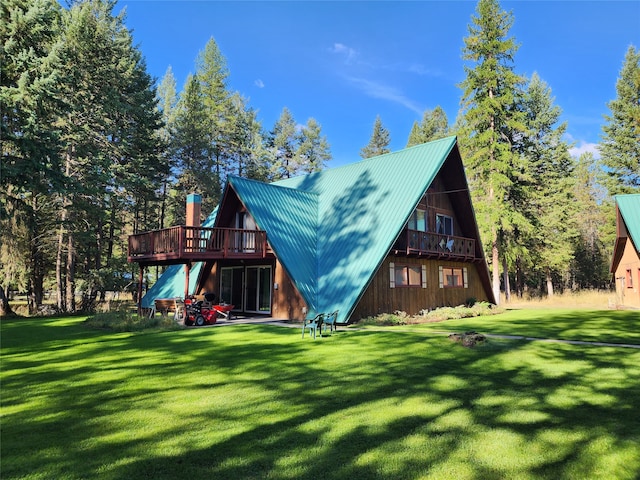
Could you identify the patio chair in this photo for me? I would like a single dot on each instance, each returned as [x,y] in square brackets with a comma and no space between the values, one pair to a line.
[313,325]
[330,320]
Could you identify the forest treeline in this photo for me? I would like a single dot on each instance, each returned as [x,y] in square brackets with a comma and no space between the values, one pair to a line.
[94,149]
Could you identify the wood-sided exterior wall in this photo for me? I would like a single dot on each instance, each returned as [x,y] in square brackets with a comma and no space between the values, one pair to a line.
[447,195]
[627,276]
[286,301]
[380,297]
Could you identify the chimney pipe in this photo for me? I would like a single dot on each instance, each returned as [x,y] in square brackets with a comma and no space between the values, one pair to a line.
[193,210]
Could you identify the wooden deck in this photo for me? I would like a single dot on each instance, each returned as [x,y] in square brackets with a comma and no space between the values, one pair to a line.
[434,245]
[184,244]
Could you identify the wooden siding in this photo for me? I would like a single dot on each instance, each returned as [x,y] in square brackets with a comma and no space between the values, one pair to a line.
[628,296]
[380,298]
[286,301]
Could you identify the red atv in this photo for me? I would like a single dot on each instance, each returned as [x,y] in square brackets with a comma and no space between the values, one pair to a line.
[198,312]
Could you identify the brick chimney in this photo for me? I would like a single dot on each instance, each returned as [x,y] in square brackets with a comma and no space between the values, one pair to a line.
[193,210]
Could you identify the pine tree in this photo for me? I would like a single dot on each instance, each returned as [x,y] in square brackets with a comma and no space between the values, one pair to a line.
[620,146]
[192,147]
[246,152]
[489,125]
[212,73]
[29,169]
[111,147]
[547,187]
[379,141]
[313,148]
[167,103]
[434,126]
[282,143]
[590,266]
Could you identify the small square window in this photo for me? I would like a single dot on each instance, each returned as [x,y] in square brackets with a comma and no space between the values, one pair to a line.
[451,277]
[408,275]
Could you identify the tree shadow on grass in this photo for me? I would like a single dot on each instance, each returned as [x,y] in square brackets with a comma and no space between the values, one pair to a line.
[255,401]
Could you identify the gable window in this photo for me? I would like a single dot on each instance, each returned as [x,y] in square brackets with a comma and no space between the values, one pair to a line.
[452,277]
[444,224]
[418,220]
[407,275]
[629,279]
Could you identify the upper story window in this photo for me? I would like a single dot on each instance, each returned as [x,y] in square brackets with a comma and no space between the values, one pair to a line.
[244,221]
[444,224]
[418,220]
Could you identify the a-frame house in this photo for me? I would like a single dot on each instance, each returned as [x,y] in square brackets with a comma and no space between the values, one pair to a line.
[625,264]
[393,232]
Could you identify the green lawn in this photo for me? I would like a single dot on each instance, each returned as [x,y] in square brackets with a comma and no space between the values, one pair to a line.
[614,326]
[258,402]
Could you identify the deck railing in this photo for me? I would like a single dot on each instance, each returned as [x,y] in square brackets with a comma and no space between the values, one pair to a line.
[428,243]
[184,242]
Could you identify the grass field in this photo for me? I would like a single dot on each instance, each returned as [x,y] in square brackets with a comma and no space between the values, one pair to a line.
[258,402]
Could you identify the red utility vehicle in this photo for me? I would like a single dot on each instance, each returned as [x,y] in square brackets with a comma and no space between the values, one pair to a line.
[198,312]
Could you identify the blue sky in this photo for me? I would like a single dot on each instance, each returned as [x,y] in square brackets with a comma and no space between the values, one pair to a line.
[343,63]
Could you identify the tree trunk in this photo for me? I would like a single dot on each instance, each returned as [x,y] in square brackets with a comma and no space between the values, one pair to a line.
[60,284]
[5,308]
[37,262]
[71,282]
[519,278]
[163,204]
[495,265]
[549,283]
[505,276]
[111,234]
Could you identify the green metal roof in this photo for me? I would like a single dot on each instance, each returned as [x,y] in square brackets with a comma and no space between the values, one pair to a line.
[290,218]
[332,229]
[629,206]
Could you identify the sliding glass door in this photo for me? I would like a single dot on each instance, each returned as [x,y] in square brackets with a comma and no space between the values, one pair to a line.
[248,288]
[257,293]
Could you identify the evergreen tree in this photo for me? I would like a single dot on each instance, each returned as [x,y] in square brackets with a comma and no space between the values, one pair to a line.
[313,148]
[379,141]
[434,126]
[193,148]
[282,143]
[212,73]
[620,146]
[490,125]
[167,103]
[547,189]
[590,266]
[29,165]
[111,147]
[246,151]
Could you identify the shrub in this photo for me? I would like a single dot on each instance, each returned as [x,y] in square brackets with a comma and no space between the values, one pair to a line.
[431,316]
[386,319]
[124,320]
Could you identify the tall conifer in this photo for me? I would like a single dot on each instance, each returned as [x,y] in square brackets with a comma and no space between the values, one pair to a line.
[489,124]
[620,146]
[379,141]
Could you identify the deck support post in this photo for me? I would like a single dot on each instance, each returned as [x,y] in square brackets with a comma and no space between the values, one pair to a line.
[140,279]
[187,269]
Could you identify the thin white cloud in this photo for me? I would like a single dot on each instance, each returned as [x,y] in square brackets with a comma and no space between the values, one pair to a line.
[421,70]
[347,52]
[259,83]
[585,147]
[385,92]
